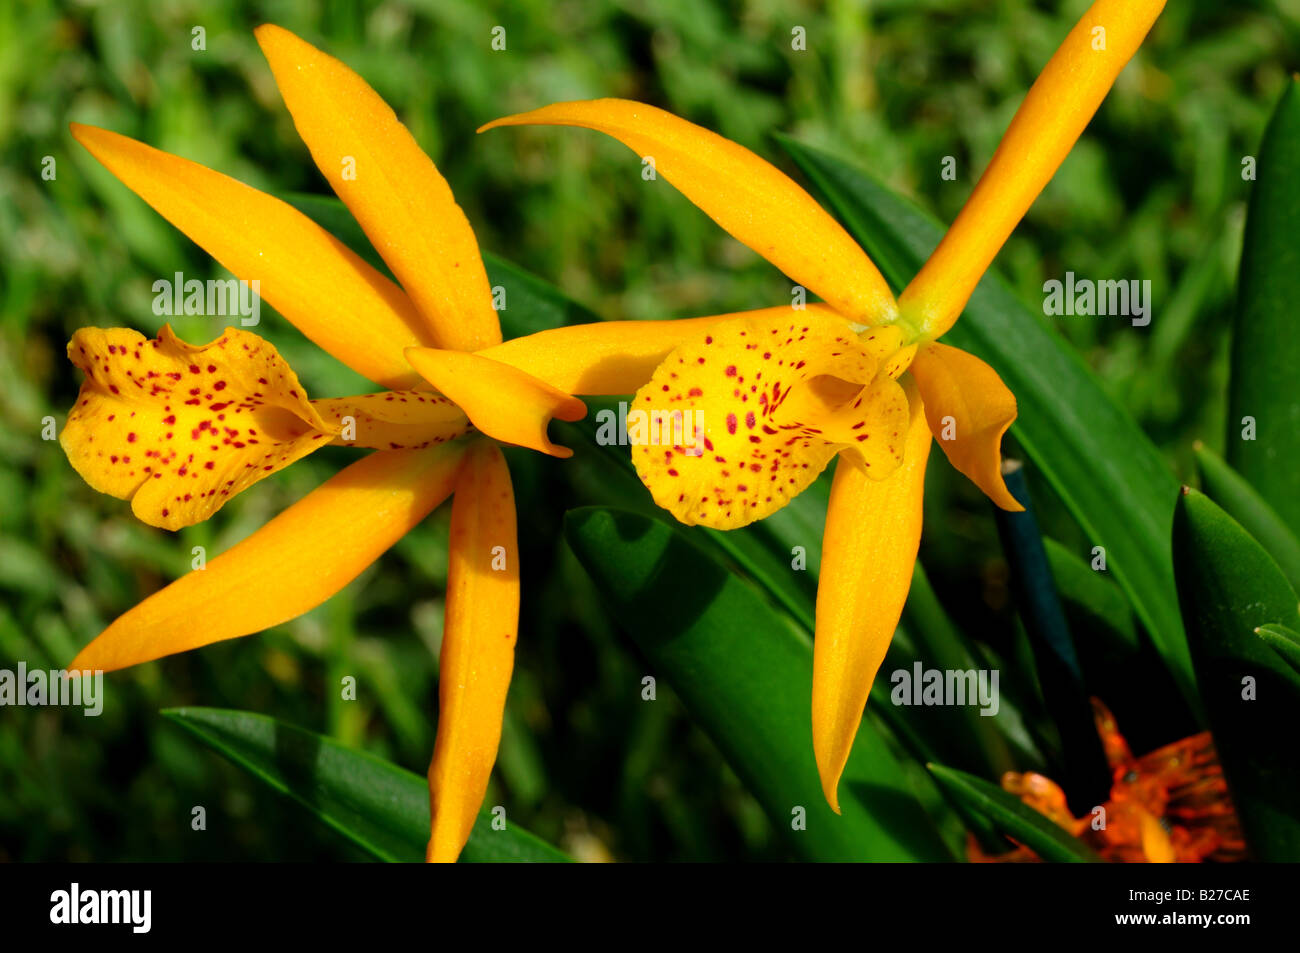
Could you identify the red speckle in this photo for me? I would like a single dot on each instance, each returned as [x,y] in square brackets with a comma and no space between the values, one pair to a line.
[731,423]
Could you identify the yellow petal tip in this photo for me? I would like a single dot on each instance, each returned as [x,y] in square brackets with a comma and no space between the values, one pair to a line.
[502,401]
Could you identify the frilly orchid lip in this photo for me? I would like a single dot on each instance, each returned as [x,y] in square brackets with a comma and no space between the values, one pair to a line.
[953,395]
[770,403]
[179,429]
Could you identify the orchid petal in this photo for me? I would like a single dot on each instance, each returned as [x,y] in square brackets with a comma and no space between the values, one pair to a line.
[608,357]
[503,402]
[1053,115]
[873,530]
[289,566]
[742,417]
[394,190]
[749,197]
[478,646]
[333,297]
[968,409]
[393,420]
[179,429]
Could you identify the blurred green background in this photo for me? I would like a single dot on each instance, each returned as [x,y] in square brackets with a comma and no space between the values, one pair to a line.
[1153,190]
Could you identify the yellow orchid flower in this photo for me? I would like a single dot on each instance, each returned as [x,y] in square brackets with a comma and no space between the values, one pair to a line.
[179,429]
[775,394]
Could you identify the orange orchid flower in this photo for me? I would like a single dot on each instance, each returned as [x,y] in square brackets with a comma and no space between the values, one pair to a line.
[1169,806]
[774,395]
[180,429]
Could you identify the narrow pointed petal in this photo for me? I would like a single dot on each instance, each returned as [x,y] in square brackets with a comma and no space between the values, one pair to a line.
[1054,114]
[749,197]
[289,566]
[394,190]
[608,357]
[314,280]
[503,402]
[478,646]
[393,420]
[179,429]
[873,530]
[968,409]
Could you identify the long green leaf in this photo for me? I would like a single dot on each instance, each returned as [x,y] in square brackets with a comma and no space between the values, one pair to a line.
[1086,775]
[1094,603]
[1243,503]
[380,807]
[1285,642]
[1013,817]
[744,673]
[1229,587]
[1265,345]
[964,734]
[1096,458]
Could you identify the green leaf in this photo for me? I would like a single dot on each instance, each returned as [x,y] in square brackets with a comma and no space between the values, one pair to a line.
[530,303]
[1086,774]
[1013,817]
[745,674]
[380,807]
[1229,587]
[964,735]
[1105,470]
[1265,345]
[1285,642]
[1093,602]
[1231,491]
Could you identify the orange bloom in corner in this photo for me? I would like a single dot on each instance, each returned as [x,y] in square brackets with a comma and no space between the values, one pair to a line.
[1169,806]
[774,395]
